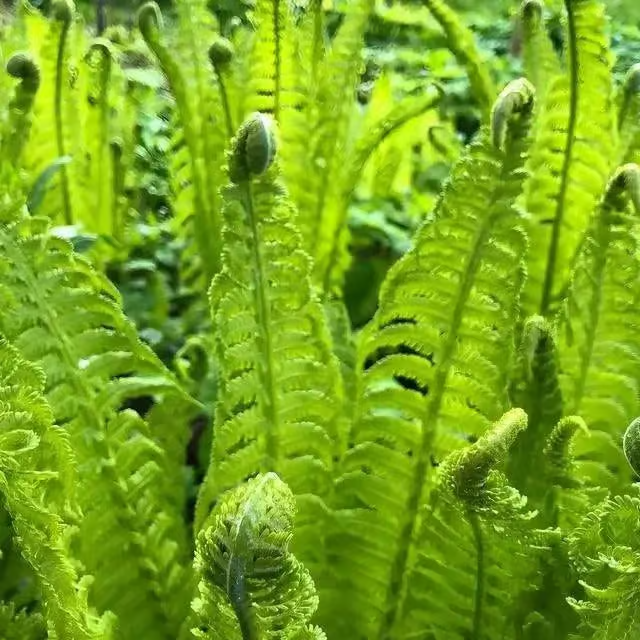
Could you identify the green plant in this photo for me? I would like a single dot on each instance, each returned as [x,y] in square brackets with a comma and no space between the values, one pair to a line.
[456,469]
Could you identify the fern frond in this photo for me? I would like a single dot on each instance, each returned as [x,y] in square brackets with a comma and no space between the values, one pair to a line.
[23,68]
[20,625]
[462,43]
[629,116]
[67,318]
[328,122]
[571,158]
[333,262]
[433,368]
[280,394]
[251,585]
[99,174]
[201,124]
[605,552]
[600,344]
[540,61]
[27,440]
[537,391]
[476,550]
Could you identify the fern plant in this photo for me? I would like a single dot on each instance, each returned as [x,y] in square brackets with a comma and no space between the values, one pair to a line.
[454,470]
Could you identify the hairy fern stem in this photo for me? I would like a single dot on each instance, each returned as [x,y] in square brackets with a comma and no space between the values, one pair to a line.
[550,273]
[60,138]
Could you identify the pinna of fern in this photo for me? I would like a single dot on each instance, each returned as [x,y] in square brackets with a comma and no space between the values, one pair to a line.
[605,551]
[65,146]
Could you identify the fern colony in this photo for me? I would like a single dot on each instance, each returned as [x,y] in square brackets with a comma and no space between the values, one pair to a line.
[453,470]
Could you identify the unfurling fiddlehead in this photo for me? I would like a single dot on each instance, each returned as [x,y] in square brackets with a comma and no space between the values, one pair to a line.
[21,67]
[514,105]
[251,586]
[625,183]
[631,445]
[469,468]
[150,22]
[221,54]
[254,148]
[557,450]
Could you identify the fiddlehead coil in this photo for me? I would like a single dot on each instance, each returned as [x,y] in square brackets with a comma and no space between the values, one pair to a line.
[631,445]
[150,21]
[515,101]
[63,11]
[221,52]
[470,468]
[557,449]
[22,67]
[625,182]
[253,150]
[532,12]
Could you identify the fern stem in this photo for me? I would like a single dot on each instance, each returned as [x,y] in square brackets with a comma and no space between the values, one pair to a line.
[547,292]
[226,106]
[263,321]
[479,595]
[64,176]
[277,59]
[318,38]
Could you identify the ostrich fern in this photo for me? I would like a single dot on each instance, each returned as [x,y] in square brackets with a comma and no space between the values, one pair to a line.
[455,470]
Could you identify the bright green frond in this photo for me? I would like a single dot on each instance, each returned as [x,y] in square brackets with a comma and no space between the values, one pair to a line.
[599,341]
[477,547]
[537,391]
[462,43]
[197,165]
[20,625]
[66,317]
[605,551]
[433,370]
[541,63]
[251,586]
[280,394]
[316,181]
[572,156]
[32,457]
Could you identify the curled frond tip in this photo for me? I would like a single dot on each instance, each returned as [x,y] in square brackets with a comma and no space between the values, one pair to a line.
[469,469]
[625,179]
[631,445]
[515,100]
[150,20]
[63,10]
[22,67]
[532,11]
[559,441]
[253,150]
[221,52]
